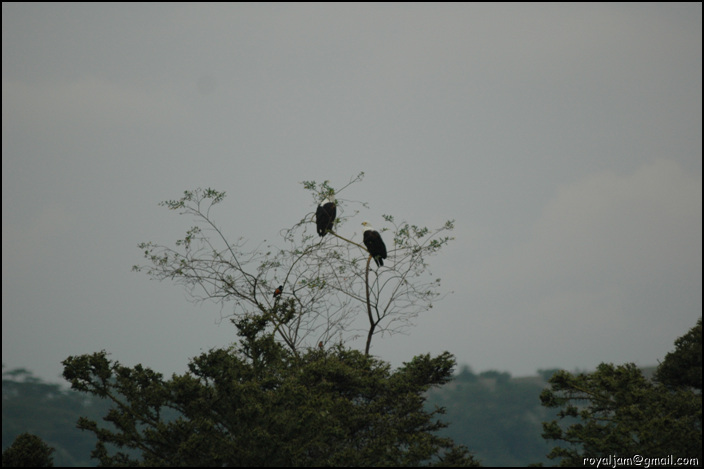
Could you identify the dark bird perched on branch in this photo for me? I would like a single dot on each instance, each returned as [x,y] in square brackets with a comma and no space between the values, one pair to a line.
[325,216]
[375,245]
[278,291]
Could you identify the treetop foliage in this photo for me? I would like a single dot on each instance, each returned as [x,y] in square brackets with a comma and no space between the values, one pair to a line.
[28,451]
[617,411]
[683,366]
[326,282]
[260,404]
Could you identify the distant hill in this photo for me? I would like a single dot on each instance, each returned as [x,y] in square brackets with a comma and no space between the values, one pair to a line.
[46,410]
[499,418]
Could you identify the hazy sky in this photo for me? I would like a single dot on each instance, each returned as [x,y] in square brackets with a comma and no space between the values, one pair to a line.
[564,139]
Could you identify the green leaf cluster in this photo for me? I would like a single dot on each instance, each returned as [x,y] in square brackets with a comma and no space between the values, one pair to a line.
[616,411]
[683,366]
[259,404]
[28,451]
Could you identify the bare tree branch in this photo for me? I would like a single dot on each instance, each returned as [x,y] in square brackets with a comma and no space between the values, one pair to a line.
[326,282]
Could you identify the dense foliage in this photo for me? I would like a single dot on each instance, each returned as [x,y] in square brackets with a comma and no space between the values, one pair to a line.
[28,451]
[682,368]
[496,416]
[262,405]
[617,412]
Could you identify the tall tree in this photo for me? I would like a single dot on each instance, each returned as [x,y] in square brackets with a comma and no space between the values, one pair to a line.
[617,412]
[291,392]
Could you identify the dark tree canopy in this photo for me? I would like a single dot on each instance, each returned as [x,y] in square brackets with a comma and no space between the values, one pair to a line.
[28,451]
[261,405]
[616,411]
[683,366]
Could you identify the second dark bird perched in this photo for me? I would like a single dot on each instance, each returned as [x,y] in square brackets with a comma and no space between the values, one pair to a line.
[325,216]
[375,245]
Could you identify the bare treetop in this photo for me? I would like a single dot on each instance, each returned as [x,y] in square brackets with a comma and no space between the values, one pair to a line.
[329,293]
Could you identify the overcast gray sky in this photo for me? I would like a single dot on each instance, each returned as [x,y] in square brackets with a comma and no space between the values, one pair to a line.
[564,139]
